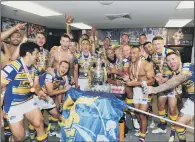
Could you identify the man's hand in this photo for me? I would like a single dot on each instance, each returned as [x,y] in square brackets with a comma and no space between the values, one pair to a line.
[42,95]
[69,19]
[126,77]
[149,90]
[19,26]
[93,29]
[67,87]
[158,78]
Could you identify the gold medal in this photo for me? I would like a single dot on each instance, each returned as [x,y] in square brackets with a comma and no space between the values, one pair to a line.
[32,90]
[31,84]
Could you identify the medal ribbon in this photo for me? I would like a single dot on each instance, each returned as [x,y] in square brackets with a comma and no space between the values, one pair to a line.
[136,70]
[162,60]
[27,72]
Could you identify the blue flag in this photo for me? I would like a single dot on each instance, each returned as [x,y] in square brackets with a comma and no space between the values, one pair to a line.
[91,116]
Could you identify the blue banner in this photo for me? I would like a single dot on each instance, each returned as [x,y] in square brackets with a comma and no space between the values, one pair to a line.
[91,116]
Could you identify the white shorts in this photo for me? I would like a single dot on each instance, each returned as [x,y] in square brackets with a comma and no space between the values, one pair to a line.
[138,96]
[16,113]
[44,104]
[169,94]
[188,107]
[83,83]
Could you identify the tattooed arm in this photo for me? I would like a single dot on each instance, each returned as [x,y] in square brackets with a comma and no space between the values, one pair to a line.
[51,57]
[172,83]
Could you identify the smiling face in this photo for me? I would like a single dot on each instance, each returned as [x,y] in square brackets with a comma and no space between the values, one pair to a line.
[85,46]
[15,39]
[110,54]
[158,45]
[63,68]
[40,39]
[134,54]
[173,61]
[149,49]
[142,39]
[126,51]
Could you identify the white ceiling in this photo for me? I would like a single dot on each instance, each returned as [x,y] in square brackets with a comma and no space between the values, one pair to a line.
[143,13]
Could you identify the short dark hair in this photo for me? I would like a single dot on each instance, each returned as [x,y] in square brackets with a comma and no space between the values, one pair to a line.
[15,32]
[134,47]
[28,47]
[143,35]
[107,38]
[146,43]
[157,38]
[42,33]
[109,50]
[64,61]
[85,39]
[125,35]
[85,35]
[65,36]
[176,52]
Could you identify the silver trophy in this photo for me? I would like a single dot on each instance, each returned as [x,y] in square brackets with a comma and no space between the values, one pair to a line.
[98,75]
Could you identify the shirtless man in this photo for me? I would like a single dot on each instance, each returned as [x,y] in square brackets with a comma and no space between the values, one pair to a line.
[150,51]
[125,39]
[126,49]
[56,55]
[140,71]
[10,51]
[182,76]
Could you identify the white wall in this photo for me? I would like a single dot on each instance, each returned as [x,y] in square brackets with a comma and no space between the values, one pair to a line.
[192,57]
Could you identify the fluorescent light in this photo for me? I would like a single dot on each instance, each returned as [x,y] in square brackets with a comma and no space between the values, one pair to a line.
[177,22]
[185,5]
[81,26]
[31,8]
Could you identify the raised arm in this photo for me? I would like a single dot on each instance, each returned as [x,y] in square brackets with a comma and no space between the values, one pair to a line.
[11,30]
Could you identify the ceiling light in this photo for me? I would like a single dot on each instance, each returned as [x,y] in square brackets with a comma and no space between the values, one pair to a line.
[177,22]
[31,8]
[106,2]
[185,5]
[81,26]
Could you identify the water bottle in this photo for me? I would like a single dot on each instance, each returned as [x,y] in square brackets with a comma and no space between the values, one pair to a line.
[144,85]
